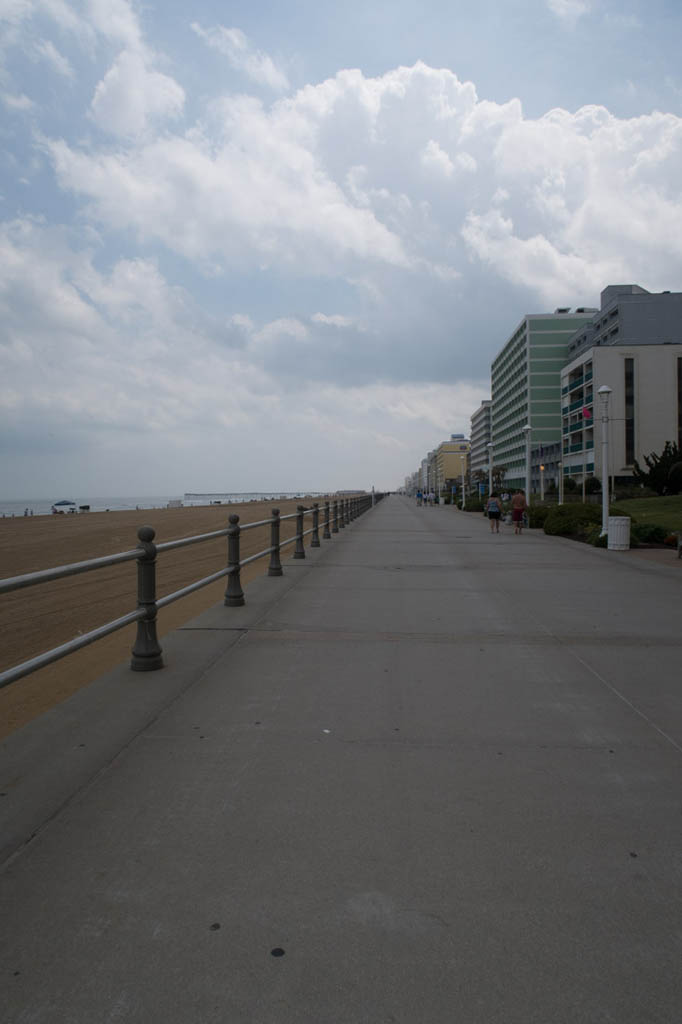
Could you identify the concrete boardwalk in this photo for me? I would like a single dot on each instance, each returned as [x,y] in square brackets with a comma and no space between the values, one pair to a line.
[438,769]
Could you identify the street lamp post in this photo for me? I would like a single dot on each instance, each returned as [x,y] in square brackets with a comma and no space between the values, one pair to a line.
[604,393]
[527,430]
[489,446]
[464,490]
[561,482]
[542,483]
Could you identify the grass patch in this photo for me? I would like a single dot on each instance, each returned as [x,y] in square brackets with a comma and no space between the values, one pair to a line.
[665,511]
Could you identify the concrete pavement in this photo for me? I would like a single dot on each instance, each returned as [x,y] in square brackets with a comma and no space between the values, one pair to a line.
[430,775]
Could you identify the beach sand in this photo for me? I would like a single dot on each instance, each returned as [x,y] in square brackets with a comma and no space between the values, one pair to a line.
[38,618]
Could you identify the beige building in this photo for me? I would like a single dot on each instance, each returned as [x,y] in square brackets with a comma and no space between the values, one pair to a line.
[644,407]
[451,460]
[633,345]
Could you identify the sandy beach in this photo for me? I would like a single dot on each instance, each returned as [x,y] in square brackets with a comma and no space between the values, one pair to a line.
[38,618]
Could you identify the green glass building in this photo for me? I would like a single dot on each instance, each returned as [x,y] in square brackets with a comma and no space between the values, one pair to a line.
[526,387]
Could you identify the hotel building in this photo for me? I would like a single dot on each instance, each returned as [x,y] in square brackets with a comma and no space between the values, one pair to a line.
[525,387]
[480,436]
[633,345]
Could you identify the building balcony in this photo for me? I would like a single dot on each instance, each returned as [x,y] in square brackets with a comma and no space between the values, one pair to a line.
[577,383]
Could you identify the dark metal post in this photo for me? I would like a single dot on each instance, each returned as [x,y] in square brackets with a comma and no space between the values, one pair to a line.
[234,595]
[299,550]
[146,650]
[326,535]
[346,512]
[315,541]
[335,517]
[342,514]
[275,567]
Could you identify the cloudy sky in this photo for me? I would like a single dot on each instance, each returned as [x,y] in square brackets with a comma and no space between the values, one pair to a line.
[259,245]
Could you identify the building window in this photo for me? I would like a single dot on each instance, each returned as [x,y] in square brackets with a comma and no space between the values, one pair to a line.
[629,411]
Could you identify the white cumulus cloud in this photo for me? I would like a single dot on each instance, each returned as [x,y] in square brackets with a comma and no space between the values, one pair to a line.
[234,45]
[132,94]
[48,52]
[569,11]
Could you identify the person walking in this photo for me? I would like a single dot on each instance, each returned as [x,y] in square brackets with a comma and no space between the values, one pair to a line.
[494,512]
[419,497]
[518,504]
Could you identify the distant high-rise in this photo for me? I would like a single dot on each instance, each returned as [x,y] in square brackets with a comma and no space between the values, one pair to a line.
[480,436]
[525,387]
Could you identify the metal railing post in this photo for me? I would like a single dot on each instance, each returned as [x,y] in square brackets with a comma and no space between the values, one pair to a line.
[299,550]
[275,567]
[335,517]
[326,535]
[346,512]
[342,514]
[234,595]
[315,540]
[146,653]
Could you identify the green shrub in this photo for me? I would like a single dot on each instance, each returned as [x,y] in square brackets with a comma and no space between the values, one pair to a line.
[537,514]
[648,533]
[594,536]
[572,520]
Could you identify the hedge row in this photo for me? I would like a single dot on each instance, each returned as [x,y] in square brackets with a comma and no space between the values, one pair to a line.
[583,522]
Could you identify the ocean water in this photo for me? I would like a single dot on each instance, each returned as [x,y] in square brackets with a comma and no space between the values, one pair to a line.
[43,506]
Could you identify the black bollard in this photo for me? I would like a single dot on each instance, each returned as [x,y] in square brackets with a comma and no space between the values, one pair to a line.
[299,550]
[275,567]
[234,595]
[326,535]
[335,527]
[146,653]
[315,541]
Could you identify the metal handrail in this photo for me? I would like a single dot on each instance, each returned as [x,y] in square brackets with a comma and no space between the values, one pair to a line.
[147,653]
[59,572]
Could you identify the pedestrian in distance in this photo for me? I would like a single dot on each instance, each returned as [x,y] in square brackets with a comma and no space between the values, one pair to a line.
[493,510]
[419,497]
[518,504]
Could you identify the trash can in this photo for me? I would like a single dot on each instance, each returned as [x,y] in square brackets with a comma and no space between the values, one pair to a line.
[619,533]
